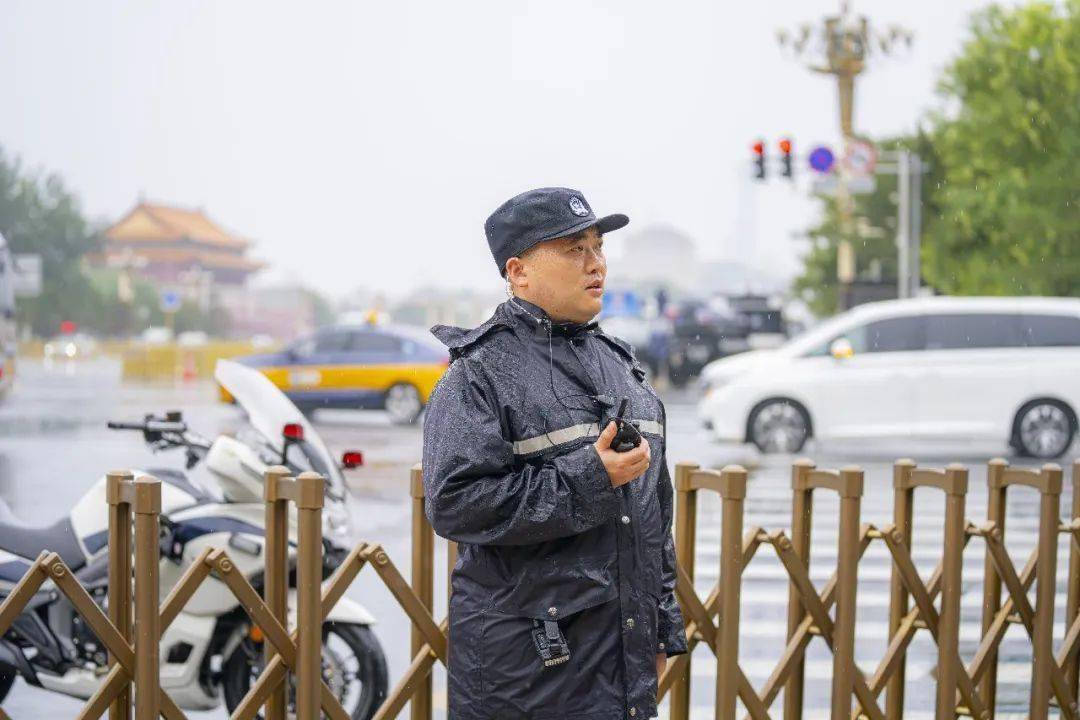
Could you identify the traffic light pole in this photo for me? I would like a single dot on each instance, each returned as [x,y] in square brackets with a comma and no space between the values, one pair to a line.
[847,41]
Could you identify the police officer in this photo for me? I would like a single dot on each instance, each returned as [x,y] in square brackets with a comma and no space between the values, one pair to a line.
[563,601]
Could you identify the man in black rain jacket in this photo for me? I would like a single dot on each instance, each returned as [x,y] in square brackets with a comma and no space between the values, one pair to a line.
[563,601]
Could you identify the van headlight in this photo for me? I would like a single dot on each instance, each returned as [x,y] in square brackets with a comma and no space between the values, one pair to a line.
[710,385]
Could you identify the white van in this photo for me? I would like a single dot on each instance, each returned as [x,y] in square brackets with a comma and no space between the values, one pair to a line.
[939,367]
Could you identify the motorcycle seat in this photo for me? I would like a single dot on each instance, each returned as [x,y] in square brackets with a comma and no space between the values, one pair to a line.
[28,542]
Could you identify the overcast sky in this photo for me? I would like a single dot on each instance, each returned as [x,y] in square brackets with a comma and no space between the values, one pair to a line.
[362,144]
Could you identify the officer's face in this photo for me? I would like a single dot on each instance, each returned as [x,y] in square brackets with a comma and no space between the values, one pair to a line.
[565,276]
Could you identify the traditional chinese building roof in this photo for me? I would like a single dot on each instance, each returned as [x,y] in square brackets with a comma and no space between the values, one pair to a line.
[152,223]
[165,242]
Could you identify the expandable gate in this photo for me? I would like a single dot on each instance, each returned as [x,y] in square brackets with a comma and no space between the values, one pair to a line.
[131,632]
[962,689]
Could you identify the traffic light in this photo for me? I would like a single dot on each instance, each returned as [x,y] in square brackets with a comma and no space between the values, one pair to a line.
[785,158]
[759,159]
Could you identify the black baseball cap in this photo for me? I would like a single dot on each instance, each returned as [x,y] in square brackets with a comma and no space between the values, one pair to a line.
[538,215]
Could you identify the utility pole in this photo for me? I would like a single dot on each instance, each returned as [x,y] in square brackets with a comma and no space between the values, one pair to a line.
[841,47]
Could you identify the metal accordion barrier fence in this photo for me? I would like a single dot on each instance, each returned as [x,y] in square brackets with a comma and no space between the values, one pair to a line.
[137,616]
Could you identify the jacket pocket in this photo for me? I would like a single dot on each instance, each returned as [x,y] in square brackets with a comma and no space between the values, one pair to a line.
[560,590]
[515,682]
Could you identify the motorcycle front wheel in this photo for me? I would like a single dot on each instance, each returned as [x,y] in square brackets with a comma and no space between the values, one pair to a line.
[354,667]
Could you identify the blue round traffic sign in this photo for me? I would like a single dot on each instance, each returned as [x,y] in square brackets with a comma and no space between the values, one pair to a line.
[822,159]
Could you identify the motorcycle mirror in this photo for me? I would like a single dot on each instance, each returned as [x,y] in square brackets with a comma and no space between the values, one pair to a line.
[352,459]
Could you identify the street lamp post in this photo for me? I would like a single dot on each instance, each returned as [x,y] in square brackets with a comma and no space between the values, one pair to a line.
[841,46]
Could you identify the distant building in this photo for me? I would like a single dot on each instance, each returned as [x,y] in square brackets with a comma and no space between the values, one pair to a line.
[283,312]
[178,248]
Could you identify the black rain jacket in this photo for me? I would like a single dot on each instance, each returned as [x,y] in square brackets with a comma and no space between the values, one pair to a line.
[511,474]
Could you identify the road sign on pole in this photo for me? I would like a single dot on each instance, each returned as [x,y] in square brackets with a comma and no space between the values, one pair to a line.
[822,159]
[860,158]
[170,301]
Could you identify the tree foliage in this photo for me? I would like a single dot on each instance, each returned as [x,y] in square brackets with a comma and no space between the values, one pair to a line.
[1001,201]
[38,215]
[1007,215]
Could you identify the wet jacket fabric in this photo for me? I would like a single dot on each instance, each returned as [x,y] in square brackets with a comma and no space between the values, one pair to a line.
[511,474]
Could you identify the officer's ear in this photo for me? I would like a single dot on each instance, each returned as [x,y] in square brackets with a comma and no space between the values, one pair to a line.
[516,273]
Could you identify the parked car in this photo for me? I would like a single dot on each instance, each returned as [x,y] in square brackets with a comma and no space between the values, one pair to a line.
[390,367]
[702,331]
[964,368]
[76,346]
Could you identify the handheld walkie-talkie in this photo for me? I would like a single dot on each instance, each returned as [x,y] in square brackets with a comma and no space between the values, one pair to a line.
[627,436]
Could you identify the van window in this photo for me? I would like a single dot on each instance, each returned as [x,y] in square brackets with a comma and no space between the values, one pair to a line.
[972,331]
[899,334]
[1050,330]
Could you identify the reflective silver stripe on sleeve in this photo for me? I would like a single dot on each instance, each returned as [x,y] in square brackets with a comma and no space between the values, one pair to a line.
[650,426]
[566,435]
[555,437]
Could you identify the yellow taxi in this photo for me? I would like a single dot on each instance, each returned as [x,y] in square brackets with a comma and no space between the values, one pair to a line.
[371,367]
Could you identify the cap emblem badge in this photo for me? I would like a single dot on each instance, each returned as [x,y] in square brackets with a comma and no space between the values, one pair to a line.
[578,208]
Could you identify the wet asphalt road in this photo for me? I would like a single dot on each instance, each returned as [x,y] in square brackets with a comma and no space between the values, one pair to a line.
[54,444]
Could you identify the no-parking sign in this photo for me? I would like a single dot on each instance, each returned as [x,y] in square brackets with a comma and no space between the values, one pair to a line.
[860,158]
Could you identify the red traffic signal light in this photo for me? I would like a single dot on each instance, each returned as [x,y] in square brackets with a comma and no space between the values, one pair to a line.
[785,158]
[759,159]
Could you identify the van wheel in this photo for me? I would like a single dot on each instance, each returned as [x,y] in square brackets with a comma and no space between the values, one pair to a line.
[778,426]
[403,403]
[1044,429]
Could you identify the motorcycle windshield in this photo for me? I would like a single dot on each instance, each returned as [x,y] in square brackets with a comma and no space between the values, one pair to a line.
[269,411]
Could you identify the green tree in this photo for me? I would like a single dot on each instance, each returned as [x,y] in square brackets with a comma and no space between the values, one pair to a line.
[38,215]
[1007,207]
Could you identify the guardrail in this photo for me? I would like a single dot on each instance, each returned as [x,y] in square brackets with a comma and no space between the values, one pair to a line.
[136,617]
[1054,677]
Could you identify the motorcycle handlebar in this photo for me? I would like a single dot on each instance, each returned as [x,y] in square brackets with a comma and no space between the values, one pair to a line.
[161,426]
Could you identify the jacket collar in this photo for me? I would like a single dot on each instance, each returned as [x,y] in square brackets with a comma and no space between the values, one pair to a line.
[533,315]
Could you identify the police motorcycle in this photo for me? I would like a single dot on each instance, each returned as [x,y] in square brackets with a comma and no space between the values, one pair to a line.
[211,652]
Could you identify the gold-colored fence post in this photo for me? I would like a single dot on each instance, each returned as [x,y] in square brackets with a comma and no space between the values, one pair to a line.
[948,640]
[423,584]
[146,505]
[844,669]
[903,499]
[309,505]
[120,576]
[1072,606]
[1045,581]
[995,513]
[802,510]
[685,550]
[276,577]
[733,495]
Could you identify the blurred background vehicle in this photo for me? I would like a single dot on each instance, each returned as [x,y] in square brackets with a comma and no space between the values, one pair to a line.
[368,367]
[702,331]
[934,368]
[7,319]
[70,346]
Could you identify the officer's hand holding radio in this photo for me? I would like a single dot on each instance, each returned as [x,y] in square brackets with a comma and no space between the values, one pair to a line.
[622,467]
